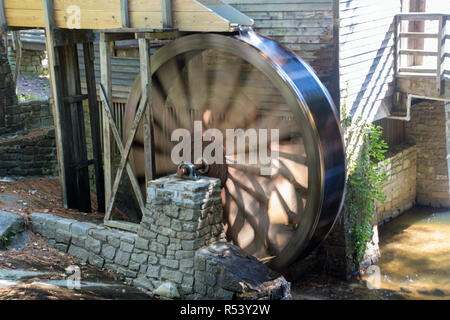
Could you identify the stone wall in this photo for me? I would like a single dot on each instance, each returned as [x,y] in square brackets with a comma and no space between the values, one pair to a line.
[400,186]
[27,140]
[447,117]
[27,116]
[400,190]
[427,129]
[179,243]
[29,155]
[33,61]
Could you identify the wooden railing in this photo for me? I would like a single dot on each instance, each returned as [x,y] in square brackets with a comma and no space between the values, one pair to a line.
[439,71]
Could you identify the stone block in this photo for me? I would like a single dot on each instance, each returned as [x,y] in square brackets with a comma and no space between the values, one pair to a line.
[78,252]
[153,271]
[63,236]
[126,246]
[99,234]
[109,252]
[139,258]
[81,228]
[142,243]
[171,275]
[122,258]
[173,264]
[96,260]
[93,245]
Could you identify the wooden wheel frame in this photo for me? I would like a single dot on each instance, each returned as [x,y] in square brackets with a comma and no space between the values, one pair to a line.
[249,81]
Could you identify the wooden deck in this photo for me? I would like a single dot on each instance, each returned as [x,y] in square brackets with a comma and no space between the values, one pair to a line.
[186,15]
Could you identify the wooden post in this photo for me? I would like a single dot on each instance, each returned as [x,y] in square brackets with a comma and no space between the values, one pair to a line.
[105,68]
[397,62]
[3,25]
[397,27]
[124,152]
[88,50]
[57,105]
[146,84]
[441,55]
[125,13]
[18,48]
[166,6]
[77,140]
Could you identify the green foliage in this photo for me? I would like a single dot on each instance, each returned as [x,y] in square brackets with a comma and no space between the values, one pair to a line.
[365,150]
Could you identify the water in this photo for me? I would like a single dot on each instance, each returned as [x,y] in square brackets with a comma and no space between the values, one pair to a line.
[415,254]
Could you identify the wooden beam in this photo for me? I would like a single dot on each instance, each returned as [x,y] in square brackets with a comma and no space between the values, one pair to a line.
[440,55]
[57,104]
[125,151]
[75,99]
[418,52]
[94,117]
[123,225]
[125,13]
[146,85]
[106,83]
[166,7]
[77,140]
[419,16]
[418,35]
[3,25]
[134,182]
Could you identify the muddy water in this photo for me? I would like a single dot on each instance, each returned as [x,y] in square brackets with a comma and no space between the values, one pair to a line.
[415,255]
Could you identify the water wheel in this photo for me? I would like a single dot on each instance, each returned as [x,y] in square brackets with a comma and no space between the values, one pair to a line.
[247,81]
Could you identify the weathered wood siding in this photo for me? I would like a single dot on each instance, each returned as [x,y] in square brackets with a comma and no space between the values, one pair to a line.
[366,55]
[304,26]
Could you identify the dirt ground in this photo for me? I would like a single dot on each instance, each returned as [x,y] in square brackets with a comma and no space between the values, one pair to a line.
[44,195]
[26,196]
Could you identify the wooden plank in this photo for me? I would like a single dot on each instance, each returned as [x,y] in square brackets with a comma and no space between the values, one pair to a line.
[122,225]
[125,151]
[77,140]
[397,44]
[440,52]
[415,52]
[419,16]
[57,105]
[3,25]
[188,15]
[146,85]
[418,35]
[107,114]
[124,11]
[75,99]
[94,116]
[166,6]
[105,66]
[417,70]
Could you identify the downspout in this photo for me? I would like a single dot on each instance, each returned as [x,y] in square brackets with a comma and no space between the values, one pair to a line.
[409,105]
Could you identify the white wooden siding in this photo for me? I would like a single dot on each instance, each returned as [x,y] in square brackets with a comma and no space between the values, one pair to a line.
[366,39]
[306,27]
